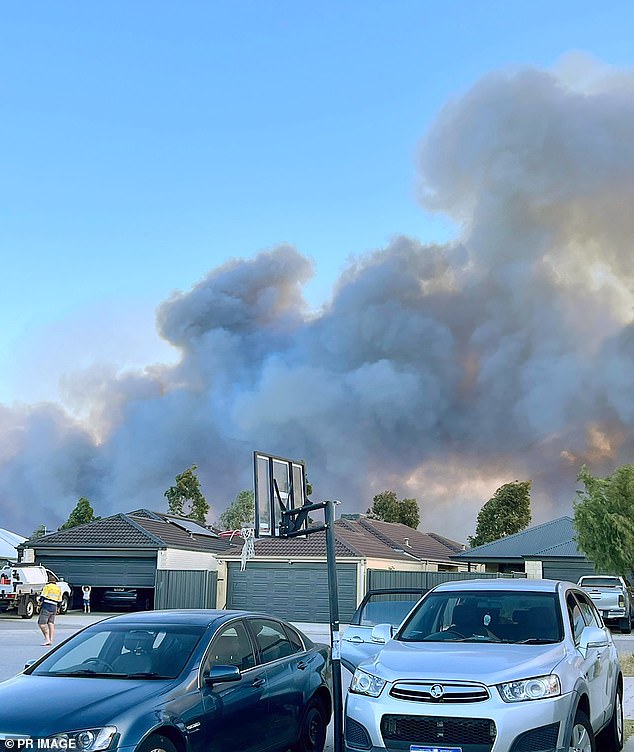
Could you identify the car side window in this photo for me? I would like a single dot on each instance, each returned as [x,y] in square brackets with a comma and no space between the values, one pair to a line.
[271,640]
[294,639]
[588,610]
[577,622]
[231,647]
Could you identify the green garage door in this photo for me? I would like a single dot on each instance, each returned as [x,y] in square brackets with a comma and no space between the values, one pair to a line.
[295,592]
[567,569]
[103,571]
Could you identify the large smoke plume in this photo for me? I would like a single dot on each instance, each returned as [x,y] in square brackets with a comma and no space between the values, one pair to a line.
[438,371]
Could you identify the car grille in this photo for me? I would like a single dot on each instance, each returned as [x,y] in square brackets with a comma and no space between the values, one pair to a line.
[439,693]
[438,730]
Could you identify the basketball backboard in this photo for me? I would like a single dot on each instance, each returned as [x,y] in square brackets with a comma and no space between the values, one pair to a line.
[280,484]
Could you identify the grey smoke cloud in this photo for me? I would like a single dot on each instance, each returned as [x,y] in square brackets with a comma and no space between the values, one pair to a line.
[438,371]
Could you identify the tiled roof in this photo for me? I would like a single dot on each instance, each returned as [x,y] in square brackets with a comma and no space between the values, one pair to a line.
[140,529]
[527,543]
[118,531]
[360,538]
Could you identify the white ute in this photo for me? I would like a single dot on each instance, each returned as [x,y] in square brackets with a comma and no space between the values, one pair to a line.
[21,584]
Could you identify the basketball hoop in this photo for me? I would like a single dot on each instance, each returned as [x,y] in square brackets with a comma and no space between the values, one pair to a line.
[248,548]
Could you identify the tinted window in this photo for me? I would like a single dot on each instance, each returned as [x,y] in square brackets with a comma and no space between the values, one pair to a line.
[294,639]
[271,640]
[231,647]
[600,582]
[485,616]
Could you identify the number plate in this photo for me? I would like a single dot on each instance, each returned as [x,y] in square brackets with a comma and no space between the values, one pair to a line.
[418,748]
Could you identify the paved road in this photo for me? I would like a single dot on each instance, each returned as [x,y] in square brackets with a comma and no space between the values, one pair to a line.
[21,640]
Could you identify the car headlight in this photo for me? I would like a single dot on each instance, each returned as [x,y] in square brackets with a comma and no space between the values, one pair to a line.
[530,689]
[85,740]
[366,684]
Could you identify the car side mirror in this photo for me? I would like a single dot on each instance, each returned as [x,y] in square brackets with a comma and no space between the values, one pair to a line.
[381,633]
[28,664]
[593,637]
[220,673]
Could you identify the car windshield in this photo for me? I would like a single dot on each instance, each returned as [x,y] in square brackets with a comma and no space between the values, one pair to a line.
[123,651]
[385,608]
[600,582]
[483,616]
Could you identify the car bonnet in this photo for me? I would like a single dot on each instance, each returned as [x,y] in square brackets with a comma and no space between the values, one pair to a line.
[489,663]
[44,705]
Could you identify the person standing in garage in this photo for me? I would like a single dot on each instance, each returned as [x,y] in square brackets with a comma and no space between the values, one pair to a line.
[85,593]
[50,598]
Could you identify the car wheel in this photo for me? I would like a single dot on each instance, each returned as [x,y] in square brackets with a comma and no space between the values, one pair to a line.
[63,606]
[626,626]
[312,736]
[29,609]
[582,736]
[611,738]
[156,743]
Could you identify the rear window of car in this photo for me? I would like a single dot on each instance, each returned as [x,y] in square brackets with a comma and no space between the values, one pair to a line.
[600,582]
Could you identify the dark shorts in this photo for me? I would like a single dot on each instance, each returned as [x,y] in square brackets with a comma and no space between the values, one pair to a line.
[47,614]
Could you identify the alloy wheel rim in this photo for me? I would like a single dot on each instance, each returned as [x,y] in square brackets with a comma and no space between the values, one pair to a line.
[619,717]
[580,739]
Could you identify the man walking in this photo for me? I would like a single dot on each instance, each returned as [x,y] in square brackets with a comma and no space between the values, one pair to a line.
[50,598]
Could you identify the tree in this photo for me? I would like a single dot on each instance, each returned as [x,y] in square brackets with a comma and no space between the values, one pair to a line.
[185,499]
[81,514]
[39,532]
[604,519]
[506,513]
[240,511]
[387,507]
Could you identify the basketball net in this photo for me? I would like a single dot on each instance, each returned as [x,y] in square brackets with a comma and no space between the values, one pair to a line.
[248,548]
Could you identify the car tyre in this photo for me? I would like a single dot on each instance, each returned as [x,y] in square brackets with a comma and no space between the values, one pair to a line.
[611,739]
[63,606]
[626,626]
[582,737]
[156,743]
[29,609]
[312,736]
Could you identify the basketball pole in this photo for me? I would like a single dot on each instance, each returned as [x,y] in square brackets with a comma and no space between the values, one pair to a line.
[290,527]
[335,634]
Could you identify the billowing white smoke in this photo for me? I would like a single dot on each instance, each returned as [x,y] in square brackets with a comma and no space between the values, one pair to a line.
[439,372]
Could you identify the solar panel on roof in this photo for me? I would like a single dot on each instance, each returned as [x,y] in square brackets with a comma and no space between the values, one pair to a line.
[192,527]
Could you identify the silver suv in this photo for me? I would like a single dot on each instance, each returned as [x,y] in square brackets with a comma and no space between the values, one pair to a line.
[491,666]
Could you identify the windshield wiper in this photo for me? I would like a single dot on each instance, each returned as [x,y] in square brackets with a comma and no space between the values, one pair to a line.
[535,641]
[143,675]
[87,672]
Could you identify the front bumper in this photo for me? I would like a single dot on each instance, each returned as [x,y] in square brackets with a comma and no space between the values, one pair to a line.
[488,726]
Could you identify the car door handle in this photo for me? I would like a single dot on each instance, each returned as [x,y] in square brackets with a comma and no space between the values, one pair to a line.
[302,665]
[355,639]
[258,682]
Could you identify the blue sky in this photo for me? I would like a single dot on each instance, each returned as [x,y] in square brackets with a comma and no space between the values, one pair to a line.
[146,143]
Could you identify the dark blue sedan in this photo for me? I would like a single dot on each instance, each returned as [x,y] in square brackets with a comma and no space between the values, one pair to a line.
[175,681]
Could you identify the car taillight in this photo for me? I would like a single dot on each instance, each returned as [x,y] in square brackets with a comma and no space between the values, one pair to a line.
[621,601]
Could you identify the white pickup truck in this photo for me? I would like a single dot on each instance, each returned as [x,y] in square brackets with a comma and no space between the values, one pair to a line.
[613,599]
[21,584]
